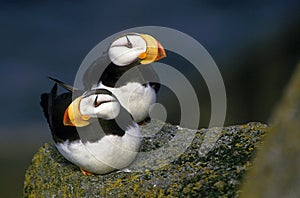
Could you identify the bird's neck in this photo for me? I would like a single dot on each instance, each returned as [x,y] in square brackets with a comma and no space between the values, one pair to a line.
[119,125]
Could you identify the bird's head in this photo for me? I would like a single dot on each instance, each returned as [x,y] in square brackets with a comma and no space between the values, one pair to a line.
[98,103]
[135,47]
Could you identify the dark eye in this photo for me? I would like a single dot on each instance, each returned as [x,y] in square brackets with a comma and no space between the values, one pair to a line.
[129,44]
[96,103]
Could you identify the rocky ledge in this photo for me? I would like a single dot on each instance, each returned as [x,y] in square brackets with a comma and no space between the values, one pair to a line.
[212,164]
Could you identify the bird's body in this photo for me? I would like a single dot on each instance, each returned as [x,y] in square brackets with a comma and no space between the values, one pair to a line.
[96,150]
[110,153]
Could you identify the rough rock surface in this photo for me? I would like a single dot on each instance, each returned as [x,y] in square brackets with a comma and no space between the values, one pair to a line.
[277,167]
[215,171]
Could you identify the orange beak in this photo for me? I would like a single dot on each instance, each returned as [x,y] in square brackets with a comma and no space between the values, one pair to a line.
[161,53]
[154,52]
[73,117]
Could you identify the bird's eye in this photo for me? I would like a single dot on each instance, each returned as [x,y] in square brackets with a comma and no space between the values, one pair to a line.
[129,44]
[96,103]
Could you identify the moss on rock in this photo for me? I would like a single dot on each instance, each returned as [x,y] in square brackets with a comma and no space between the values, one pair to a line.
[216,173]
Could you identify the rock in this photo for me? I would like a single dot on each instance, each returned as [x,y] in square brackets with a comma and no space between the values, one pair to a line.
[276,172]
[215,171]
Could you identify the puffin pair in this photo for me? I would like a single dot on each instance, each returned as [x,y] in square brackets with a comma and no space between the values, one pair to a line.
[107,111]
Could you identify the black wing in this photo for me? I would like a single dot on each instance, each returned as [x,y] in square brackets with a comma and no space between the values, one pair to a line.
[54,107]
[64,85]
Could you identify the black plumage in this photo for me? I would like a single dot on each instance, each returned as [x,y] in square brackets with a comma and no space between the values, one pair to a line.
[104,71]
[54,107]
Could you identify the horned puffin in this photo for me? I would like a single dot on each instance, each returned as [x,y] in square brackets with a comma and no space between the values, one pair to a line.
[136,92]
[94,151]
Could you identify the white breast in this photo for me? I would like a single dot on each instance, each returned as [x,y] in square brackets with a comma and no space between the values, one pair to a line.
[110,153]
[135,98]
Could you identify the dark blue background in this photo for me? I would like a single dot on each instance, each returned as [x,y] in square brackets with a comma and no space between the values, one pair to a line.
[254,43]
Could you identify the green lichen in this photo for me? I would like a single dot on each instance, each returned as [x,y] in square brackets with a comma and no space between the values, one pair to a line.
[217,173]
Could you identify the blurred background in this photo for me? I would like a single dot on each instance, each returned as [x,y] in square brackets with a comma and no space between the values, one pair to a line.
[254,43]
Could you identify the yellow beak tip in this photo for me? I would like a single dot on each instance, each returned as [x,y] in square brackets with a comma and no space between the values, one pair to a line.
[154,52]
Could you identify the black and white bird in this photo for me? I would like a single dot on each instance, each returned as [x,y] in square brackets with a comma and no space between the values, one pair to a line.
[93,131]
[136,90]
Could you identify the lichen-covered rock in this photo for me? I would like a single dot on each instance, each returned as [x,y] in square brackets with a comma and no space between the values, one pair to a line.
[277,167]
[216,173]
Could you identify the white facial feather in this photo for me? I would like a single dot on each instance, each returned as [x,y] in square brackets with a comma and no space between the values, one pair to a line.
[121,53]
[108,109]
